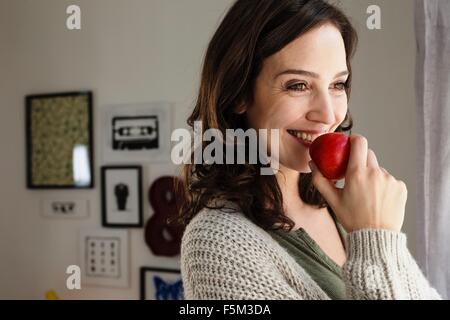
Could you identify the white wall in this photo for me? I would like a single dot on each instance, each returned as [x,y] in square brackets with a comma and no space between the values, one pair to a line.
[383,96]
[126,52]
[144,50]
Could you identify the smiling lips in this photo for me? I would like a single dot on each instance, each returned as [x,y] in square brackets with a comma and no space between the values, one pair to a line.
[306,137]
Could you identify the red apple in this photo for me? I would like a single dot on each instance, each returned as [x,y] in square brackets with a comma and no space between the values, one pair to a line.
[330,153]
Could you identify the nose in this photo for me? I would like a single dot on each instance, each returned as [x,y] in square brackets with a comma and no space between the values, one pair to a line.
[321,109]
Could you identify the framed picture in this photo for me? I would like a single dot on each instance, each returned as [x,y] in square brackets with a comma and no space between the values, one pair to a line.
[161,284]
[66,207]
[59,144]
[104,257]
[122,196]
[137,132]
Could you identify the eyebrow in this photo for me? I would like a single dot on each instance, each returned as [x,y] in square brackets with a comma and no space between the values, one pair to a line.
[308,73]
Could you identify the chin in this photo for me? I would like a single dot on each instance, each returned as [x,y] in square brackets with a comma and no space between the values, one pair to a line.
[305,170]
[298,163]
[299,166]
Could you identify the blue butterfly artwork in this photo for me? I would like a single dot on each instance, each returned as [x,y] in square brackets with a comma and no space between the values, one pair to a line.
[168,291]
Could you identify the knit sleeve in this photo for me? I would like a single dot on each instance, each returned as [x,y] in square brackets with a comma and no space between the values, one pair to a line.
[223,262]
[380,266]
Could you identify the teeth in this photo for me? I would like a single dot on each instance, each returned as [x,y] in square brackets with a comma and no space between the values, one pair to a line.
[304,135]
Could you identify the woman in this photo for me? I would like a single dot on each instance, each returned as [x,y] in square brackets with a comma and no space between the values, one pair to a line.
[285,64]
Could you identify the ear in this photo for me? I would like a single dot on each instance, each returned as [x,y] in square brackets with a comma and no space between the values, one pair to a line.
[240,109]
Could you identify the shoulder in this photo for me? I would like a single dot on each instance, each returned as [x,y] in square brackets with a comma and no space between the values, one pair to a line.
[227,228]
[224,255]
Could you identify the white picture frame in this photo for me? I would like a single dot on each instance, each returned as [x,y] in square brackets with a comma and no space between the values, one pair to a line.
[64,208]
[138,133]
[103,257]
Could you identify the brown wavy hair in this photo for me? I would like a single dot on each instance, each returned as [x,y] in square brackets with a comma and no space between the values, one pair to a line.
[251,31]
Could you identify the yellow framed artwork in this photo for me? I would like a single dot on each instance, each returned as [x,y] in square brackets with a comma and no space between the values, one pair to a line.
[59,140]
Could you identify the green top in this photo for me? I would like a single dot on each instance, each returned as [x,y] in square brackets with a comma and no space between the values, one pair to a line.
[322,269]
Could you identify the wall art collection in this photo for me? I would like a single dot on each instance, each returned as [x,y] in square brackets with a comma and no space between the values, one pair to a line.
[60,155]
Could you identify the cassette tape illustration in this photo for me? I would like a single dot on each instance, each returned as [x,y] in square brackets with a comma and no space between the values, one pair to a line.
[135,132]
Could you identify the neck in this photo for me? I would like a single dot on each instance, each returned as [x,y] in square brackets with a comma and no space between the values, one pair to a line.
[301,213]
[288,180]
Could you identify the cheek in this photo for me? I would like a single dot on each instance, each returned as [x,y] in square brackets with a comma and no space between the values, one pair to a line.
[257,115]
[278,114]
[288,111]
[284,117]
[341,111]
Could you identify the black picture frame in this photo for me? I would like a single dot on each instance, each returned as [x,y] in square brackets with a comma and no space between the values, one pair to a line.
[144,271]
[44,150]
[123,193]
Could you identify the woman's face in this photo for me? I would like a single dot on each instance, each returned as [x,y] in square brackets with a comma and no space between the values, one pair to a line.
[302,87]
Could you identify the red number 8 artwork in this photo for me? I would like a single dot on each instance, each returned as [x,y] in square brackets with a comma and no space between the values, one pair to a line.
[163,239]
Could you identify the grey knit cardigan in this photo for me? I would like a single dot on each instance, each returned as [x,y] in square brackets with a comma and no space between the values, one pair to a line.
[226,256]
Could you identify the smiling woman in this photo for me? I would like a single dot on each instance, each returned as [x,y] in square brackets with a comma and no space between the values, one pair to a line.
[285,64]
[247,82]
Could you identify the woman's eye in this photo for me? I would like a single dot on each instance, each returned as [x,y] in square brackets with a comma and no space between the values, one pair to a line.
[301,86]
[340,86]
[298,87]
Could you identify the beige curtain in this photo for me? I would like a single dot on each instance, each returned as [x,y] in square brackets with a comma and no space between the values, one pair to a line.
[432,23]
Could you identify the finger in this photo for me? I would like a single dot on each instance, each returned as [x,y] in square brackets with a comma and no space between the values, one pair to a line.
[372,159]
[358,152]
[324,186]
[384,170]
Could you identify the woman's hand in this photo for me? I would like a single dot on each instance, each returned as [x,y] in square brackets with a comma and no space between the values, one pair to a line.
[371,197]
